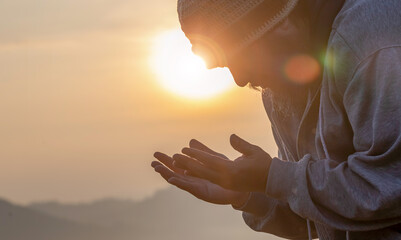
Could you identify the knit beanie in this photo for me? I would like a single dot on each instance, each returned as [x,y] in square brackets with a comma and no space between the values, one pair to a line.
[219,29]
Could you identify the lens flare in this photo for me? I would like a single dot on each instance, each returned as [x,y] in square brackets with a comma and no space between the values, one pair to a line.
[302,69]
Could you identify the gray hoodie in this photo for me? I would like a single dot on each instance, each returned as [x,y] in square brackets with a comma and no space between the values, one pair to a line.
[341,178]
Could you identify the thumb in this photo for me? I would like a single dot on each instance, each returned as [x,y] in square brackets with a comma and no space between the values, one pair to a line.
[241,145]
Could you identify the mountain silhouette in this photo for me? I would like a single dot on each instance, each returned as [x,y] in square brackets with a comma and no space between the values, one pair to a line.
[169,215]
[20,223]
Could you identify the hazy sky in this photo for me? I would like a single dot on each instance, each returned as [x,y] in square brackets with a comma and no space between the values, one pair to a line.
[81,110]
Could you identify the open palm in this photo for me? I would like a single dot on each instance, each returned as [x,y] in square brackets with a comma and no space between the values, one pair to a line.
[200,188]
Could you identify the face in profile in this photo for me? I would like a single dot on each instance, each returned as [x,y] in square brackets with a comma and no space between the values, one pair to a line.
[280,57]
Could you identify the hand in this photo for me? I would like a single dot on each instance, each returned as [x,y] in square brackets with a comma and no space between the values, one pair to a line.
[200,188]
[247,173]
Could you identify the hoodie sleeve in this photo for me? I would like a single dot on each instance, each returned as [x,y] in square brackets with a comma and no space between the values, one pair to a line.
[264,214]
[363,192]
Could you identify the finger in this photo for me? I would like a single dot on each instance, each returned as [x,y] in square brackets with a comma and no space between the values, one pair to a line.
[168,161]
[185,185]
[165,172]
[196,168]
[241,145]
[200,146]
[179,165]
[185,170]
[207,159]
[156,163]
[191,175]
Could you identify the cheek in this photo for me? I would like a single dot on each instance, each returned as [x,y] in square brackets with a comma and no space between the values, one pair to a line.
[268,67]
[280,70]
[261,69]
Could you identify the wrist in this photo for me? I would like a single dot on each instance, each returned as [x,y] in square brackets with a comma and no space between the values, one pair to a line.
[239,199]
[264,177]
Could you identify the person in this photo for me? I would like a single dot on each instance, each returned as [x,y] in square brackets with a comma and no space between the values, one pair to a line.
[330,77]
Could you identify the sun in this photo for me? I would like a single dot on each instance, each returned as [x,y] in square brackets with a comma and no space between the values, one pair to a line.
[183,73]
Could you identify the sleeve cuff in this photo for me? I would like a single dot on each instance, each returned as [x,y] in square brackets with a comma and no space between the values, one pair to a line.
[258,204]
[286,180]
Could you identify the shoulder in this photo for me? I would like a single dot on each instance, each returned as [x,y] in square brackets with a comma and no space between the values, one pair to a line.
[367,26]
[362,29]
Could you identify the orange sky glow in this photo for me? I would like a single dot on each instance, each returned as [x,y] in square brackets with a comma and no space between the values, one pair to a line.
[86,99]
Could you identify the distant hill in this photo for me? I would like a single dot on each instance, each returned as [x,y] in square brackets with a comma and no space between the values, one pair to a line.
[19,223]
[169,215]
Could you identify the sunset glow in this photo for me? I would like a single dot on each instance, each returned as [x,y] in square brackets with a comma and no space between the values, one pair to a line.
[183,73]
[85,104]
